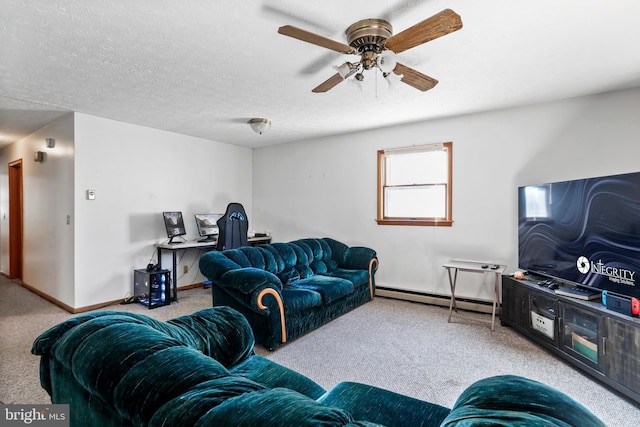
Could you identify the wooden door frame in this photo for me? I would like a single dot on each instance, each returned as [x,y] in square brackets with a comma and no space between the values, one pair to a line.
[16,229]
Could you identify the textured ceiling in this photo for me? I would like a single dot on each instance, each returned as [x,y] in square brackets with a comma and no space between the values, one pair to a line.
[204,68]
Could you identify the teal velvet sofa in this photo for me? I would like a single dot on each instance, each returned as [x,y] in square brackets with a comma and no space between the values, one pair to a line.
[288,289]
[118,369]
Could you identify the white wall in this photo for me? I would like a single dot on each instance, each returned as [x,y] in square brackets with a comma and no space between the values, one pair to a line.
[47,200]
[137,173]
[327,187]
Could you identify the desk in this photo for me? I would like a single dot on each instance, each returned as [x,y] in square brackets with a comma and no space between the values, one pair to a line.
[209,245]
[475,267]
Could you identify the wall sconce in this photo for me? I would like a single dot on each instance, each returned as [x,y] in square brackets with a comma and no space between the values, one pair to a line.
[260,125]
[39,156]
[50,142]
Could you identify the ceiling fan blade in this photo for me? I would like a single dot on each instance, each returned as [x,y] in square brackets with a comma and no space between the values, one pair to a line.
[415,78]
[438,25]
[330,83]
[318,40]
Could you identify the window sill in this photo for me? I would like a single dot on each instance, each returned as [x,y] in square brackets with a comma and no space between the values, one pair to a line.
[417,221]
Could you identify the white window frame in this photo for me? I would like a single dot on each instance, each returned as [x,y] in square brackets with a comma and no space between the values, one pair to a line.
[447,219]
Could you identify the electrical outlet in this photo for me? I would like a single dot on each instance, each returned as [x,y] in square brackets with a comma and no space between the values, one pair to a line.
[185,269]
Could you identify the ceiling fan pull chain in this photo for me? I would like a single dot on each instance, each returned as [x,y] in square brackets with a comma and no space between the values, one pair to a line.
[376,79]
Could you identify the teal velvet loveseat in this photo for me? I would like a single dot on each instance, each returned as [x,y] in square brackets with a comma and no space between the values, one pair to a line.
[119,369]
[287,289]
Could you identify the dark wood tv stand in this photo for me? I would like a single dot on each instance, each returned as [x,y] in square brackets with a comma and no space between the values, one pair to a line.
[601,342]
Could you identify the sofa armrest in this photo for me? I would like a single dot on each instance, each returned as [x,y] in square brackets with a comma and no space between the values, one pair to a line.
[249,280]
[214,264]
[514,400]
[259,286]
[359,258]
[128,362]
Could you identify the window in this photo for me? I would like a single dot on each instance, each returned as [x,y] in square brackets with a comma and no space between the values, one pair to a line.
[414,185]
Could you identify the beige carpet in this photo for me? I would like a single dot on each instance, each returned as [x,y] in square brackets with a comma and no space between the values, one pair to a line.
[401,346]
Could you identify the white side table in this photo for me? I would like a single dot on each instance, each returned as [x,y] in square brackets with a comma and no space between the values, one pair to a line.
[475,267]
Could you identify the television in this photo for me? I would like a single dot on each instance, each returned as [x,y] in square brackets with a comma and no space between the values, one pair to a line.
[207,226]
[174,224]
[584,232]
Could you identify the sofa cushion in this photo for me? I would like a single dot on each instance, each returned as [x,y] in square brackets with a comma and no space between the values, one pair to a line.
[376,405]
[357,277]
[239,257]
[285,253]
[220,332]
[187,408]
[273,375]
[296,299]
[260,258]
[159,378]
[509,400]
[302,256]
[288,276]
[304,270]
[330,288]
[275,407]
[315,249]
[321,266]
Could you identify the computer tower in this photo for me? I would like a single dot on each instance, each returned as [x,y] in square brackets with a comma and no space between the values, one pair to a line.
[152,288]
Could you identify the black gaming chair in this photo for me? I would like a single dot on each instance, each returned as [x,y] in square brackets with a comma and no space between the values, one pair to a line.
[233,227]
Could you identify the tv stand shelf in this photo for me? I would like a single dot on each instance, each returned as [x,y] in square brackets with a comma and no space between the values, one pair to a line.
[600,342]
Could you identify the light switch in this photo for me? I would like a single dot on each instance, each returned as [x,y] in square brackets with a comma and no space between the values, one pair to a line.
[91,194]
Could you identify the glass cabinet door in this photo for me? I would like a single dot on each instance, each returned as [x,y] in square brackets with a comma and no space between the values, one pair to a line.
[542,316]
[580,334]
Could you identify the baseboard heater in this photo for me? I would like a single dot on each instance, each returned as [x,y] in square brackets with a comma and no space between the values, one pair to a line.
[434,299]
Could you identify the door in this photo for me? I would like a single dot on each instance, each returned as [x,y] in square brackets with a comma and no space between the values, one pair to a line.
[581,334]
[15,219]
[622,352]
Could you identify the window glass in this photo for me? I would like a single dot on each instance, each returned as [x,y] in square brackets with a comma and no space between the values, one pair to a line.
[414,185]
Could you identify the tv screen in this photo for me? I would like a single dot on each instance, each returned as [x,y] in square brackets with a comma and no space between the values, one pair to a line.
[174,224]
[207,224]
[586,232]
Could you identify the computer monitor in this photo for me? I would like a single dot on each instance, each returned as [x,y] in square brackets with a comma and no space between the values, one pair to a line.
[208,226]
[174,224]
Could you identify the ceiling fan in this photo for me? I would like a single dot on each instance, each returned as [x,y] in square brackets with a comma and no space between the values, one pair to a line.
[374,41]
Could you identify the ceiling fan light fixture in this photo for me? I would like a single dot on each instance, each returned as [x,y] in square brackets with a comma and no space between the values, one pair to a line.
[386,61]
[393,79]
[260,125]
[344,70]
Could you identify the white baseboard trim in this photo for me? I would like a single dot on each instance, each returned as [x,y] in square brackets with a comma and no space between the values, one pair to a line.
[443,300]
